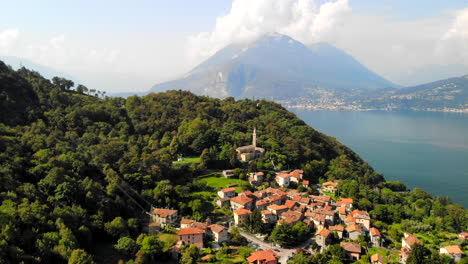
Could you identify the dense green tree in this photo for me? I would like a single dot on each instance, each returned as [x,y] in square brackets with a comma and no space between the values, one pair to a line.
[79,256]
[127,246]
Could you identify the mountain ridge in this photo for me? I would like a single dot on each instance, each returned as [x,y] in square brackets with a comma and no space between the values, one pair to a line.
[275,66]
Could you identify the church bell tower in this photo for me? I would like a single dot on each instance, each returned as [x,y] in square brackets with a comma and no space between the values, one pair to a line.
[254,138]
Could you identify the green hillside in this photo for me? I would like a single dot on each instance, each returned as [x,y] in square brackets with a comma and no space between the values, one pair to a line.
[79,172]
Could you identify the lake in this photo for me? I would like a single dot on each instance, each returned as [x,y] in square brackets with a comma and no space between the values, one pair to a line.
[422,149]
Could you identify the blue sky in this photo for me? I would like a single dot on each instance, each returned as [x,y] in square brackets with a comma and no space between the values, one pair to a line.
[143,42]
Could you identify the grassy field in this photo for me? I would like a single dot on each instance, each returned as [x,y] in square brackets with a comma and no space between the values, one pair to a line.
[187,160]
[168,239]
[219,182]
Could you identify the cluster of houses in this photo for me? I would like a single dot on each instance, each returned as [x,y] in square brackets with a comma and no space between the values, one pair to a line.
[409,240]
[322,212]
[332,220]
[190,231]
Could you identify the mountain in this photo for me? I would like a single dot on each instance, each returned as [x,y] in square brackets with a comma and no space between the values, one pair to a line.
[47,72]
[443,95]
[276,67]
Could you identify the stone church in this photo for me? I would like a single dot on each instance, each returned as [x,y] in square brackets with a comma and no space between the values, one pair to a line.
[250,152]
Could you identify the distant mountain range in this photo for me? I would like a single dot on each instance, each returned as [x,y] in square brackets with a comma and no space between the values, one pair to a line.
[449,95]
[47,72]
[276,67]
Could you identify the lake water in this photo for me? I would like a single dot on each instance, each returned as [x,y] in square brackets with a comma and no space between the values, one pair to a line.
[422,149]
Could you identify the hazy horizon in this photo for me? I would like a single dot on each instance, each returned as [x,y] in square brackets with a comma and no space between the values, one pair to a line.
[120,46]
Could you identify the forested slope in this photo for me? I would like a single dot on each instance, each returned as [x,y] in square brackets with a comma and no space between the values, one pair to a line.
[64,158]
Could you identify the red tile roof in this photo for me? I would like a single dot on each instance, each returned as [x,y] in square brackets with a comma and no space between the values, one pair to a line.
[190,231]
[217,228]
[185,221]
[241,199]
[164,212]
[453,249]
[336,228]
[329,183]
[344,201]
[262,256]
[282,175]
[232,189]
[342,210]
[242,211]
[277,207]
[360,214]
[351,247]
[320,198]
[290,204]
[354,228]
[323,232]
[350,219]
[374,231]
[411,239]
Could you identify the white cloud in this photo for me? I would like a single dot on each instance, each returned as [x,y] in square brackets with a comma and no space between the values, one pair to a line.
[303,20]
[8,38]
[453,44]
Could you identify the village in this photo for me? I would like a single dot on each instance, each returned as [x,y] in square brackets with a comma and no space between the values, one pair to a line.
[329,219]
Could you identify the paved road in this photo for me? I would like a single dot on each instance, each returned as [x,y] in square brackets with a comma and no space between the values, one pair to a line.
[284,253]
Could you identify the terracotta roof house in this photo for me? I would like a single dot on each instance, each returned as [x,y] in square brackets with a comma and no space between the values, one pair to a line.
[240,215]
[275,199]
[164,216]
[375,237]
[408,240]
[191,236]
[304,201]
[186,223]
[329,187]
[219,233]
[322,238]
[283,179]
[454,252]
[463,235]
[227,193]
[354,231]
[268,217]
[271,190]
[404,254]
[262,204]
[323,199]
[353,251]
[377,259]
[296,176]
[277,209]
[350,220]
[345,202]
[290,204]
[241,201]
[339,229]
[291,217]
[305,183]
[362,217]
[263,257]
